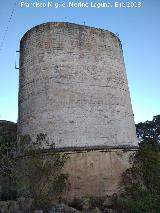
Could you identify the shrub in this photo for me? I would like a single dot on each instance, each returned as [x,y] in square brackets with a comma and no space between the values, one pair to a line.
[40,175]
[29,172]
[142,180]
[8,136]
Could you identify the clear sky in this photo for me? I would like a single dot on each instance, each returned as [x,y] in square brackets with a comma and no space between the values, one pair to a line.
[138,29]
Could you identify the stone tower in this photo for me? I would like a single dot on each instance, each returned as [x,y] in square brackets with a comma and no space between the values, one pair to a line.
[73,87]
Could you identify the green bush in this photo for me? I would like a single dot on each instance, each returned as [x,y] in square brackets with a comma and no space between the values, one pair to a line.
[8,136]
[39,175]
[142,180]
[25,170]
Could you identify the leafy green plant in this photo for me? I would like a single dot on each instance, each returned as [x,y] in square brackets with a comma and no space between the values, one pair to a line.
[26,170]
[142,180]
[40,175]
[8,136]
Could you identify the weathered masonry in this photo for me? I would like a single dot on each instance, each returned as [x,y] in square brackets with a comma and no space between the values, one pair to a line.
[73,87]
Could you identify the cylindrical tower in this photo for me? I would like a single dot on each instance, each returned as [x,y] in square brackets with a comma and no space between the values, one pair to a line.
[73,87]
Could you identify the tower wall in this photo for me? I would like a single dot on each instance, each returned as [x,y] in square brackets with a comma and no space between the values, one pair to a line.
[96,172]
[73,87]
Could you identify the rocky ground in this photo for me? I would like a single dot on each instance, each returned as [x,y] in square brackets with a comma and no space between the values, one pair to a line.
[84,205]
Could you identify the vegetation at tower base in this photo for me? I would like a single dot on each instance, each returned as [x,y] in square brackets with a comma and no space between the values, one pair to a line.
[41,176]
[33,174]
[8,137]
[142,180]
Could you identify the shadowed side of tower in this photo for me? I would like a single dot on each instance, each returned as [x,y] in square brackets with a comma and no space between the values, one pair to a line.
[73,87]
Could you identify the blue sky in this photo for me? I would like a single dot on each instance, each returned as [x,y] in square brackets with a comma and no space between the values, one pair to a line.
[138,29]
